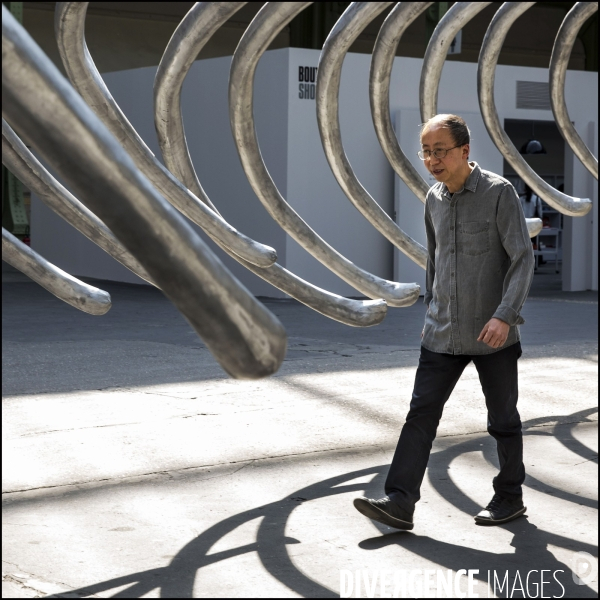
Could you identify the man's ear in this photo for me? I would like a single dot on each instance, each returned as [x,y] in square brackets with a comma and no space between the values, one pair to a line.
[466,149]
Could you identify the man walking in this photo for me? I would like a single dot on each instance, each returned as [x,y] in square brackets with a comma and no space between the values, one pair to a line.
[479,270]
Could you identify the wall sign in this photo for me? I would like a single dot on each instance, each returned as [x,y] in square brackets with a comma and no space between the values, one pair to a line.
[307,78]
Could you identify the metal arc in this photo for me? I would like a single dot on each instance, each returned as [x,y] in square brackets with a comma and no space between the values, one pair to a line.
[20,161]
[495,35]
[348,27]
[459,14]
[271,18]
[191,35]
[245,338]
[79,295]
[561,52]
[69,24]
[349,311]
[382,62]
[534,226]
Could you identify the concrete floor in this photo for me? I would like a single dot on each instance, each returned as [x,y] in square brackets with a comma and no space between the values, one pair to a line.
[133,467]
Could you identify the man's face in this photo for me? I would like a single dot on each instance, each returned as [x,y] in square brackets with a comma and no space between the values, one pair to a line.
[452,166]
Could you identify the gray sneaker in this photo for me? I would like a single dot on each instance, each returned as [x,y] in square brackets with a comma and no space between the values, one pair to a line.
[385,511]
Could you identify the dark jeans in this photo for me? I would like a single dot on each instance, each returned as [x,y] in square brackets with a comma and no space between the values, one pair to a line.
[436,377]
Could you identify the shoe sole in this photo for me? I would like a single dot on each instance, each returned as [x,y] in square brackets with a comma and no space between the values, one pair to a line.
[482,521]
[370,511]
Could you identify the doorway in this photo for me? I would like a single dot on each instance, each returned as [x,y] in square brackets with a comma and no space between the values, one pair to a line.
[549,163]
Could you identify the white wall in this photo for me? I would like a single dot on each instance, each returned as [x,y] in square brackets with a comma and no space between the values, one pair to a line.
[287,131]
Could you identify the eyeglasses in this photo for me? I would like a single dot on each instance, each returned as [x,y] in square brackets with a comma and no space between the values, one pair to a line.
[438,152]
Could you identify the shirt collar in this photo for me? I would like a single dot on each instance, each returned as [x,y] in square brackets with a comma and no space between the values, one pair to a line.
[470,183]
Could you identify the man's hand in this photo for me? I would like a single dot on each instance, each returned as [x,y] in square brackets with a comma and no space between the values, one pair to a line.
[494,333]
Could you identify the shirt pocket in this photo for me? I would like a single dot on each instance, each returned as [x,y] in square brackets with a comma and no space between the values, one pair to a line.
[474,238]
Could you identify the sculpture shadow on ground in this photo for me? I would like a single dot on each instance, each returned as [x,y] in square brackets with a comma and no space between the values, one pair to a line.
[531,544]
[531,552]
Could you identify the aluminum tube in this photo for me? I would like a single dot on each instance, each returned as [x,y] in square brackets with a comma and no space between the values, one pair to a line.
[271,18]
[247,340]
[174,66]
[348,27]
[67,288]
[561,52]
[70,35]
[382,62]
[486,72]
[355,313]
[20,161]
[459,14]
[534,226]
[191,35]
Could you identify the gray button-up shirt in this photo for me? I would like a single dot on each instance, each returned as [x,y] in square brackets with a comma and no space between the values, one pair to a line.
[480,263]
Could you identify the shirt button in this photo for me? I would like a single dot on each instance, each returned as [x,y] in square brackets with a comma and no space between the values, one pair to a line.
[452,251]
[451,274]
[454,320]
[451,227]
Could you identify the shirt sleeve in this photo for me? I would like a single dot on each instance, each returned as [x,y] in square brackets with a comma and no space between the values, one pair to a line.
[515,239]
[430,273]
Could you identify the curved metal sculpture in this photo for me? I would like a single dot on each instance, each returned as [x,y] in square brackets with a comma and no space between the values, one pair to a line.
[561,52]
[459,14]
[329,73]
[78,294]
[22,163]
[70,35]
[247,340]
[262,30]
[85,77]
[490,50]
[123,187]
[190,36]
[382,62]
[384,53]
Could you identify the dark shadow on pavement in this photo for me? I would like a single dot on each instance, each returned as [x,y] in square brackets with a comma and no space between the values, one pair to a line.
[531,553]
[510,570]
